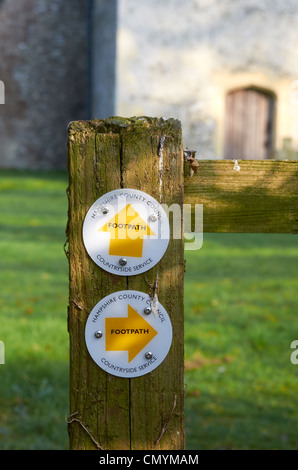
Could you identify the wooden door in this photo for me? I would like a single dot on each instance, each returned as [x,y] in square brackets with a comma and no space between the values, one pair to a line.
[249,124]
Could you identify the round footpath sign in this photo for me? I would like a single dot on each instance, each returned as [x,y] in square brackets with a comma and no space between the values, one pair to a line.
[126,232]
[125,337]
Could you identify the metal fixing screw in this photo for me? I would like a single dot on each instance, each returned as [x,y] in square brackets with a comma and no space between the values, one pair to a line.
[148,355]
[153,217]
[147,310]
[98,334]
[123,262]
[104,210]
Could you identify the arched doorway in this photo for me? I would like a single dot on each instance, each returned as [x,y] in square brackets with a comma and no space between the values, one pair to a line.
[249,124]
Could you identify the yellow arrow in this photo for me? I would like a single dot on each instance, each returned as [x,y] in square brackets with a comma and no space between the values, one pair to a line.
[127,230]
[131,333]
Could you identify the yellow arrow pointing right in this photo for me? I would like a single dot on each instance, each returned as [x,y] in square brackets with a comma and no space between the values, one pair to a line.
[131,333]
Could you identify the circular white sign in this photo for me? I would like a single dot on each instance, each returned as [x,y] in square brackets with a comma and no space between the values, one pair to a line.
[126,232]
[125,336]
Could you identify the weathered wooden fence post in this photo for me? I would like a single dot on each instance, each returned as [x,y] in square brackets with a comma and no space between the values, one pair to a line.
[109,412]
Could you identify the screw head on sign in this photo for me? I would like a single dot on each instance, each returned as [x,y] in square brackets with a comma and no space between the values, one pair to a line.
[153,218]
[147,310]
[148,355]
[104,210]
[122,262]
[98,334]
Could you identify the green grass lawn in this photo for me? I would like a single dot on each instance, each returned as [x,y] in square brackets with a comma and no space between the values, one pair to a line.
[240,319]
[33,300]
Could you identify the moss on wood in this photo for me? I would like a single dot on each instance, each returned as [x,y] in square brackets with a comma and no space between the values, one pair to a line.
[123,413]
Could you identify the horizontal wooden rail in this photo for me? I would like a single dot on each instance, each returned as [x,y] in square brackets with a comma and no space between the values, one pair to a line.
[261,197]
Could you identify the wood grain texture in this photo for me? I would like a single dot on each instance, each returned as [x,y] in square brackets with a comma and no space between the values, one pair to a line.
[157,399]
[97,400]
[260,198]
[109,412]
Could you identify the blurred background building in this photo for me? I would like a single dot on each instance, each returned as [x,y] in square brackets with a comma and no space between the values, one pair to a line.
[49,50]
[228,70]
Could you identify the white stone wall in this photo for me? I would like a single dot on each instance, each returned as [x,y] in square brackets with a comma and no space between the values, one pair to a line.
[178,59]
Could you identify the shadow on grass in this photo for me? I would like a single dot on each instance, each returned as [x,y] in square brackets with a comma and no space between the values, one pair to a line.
[33,405]
[46,233]
[235,422]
